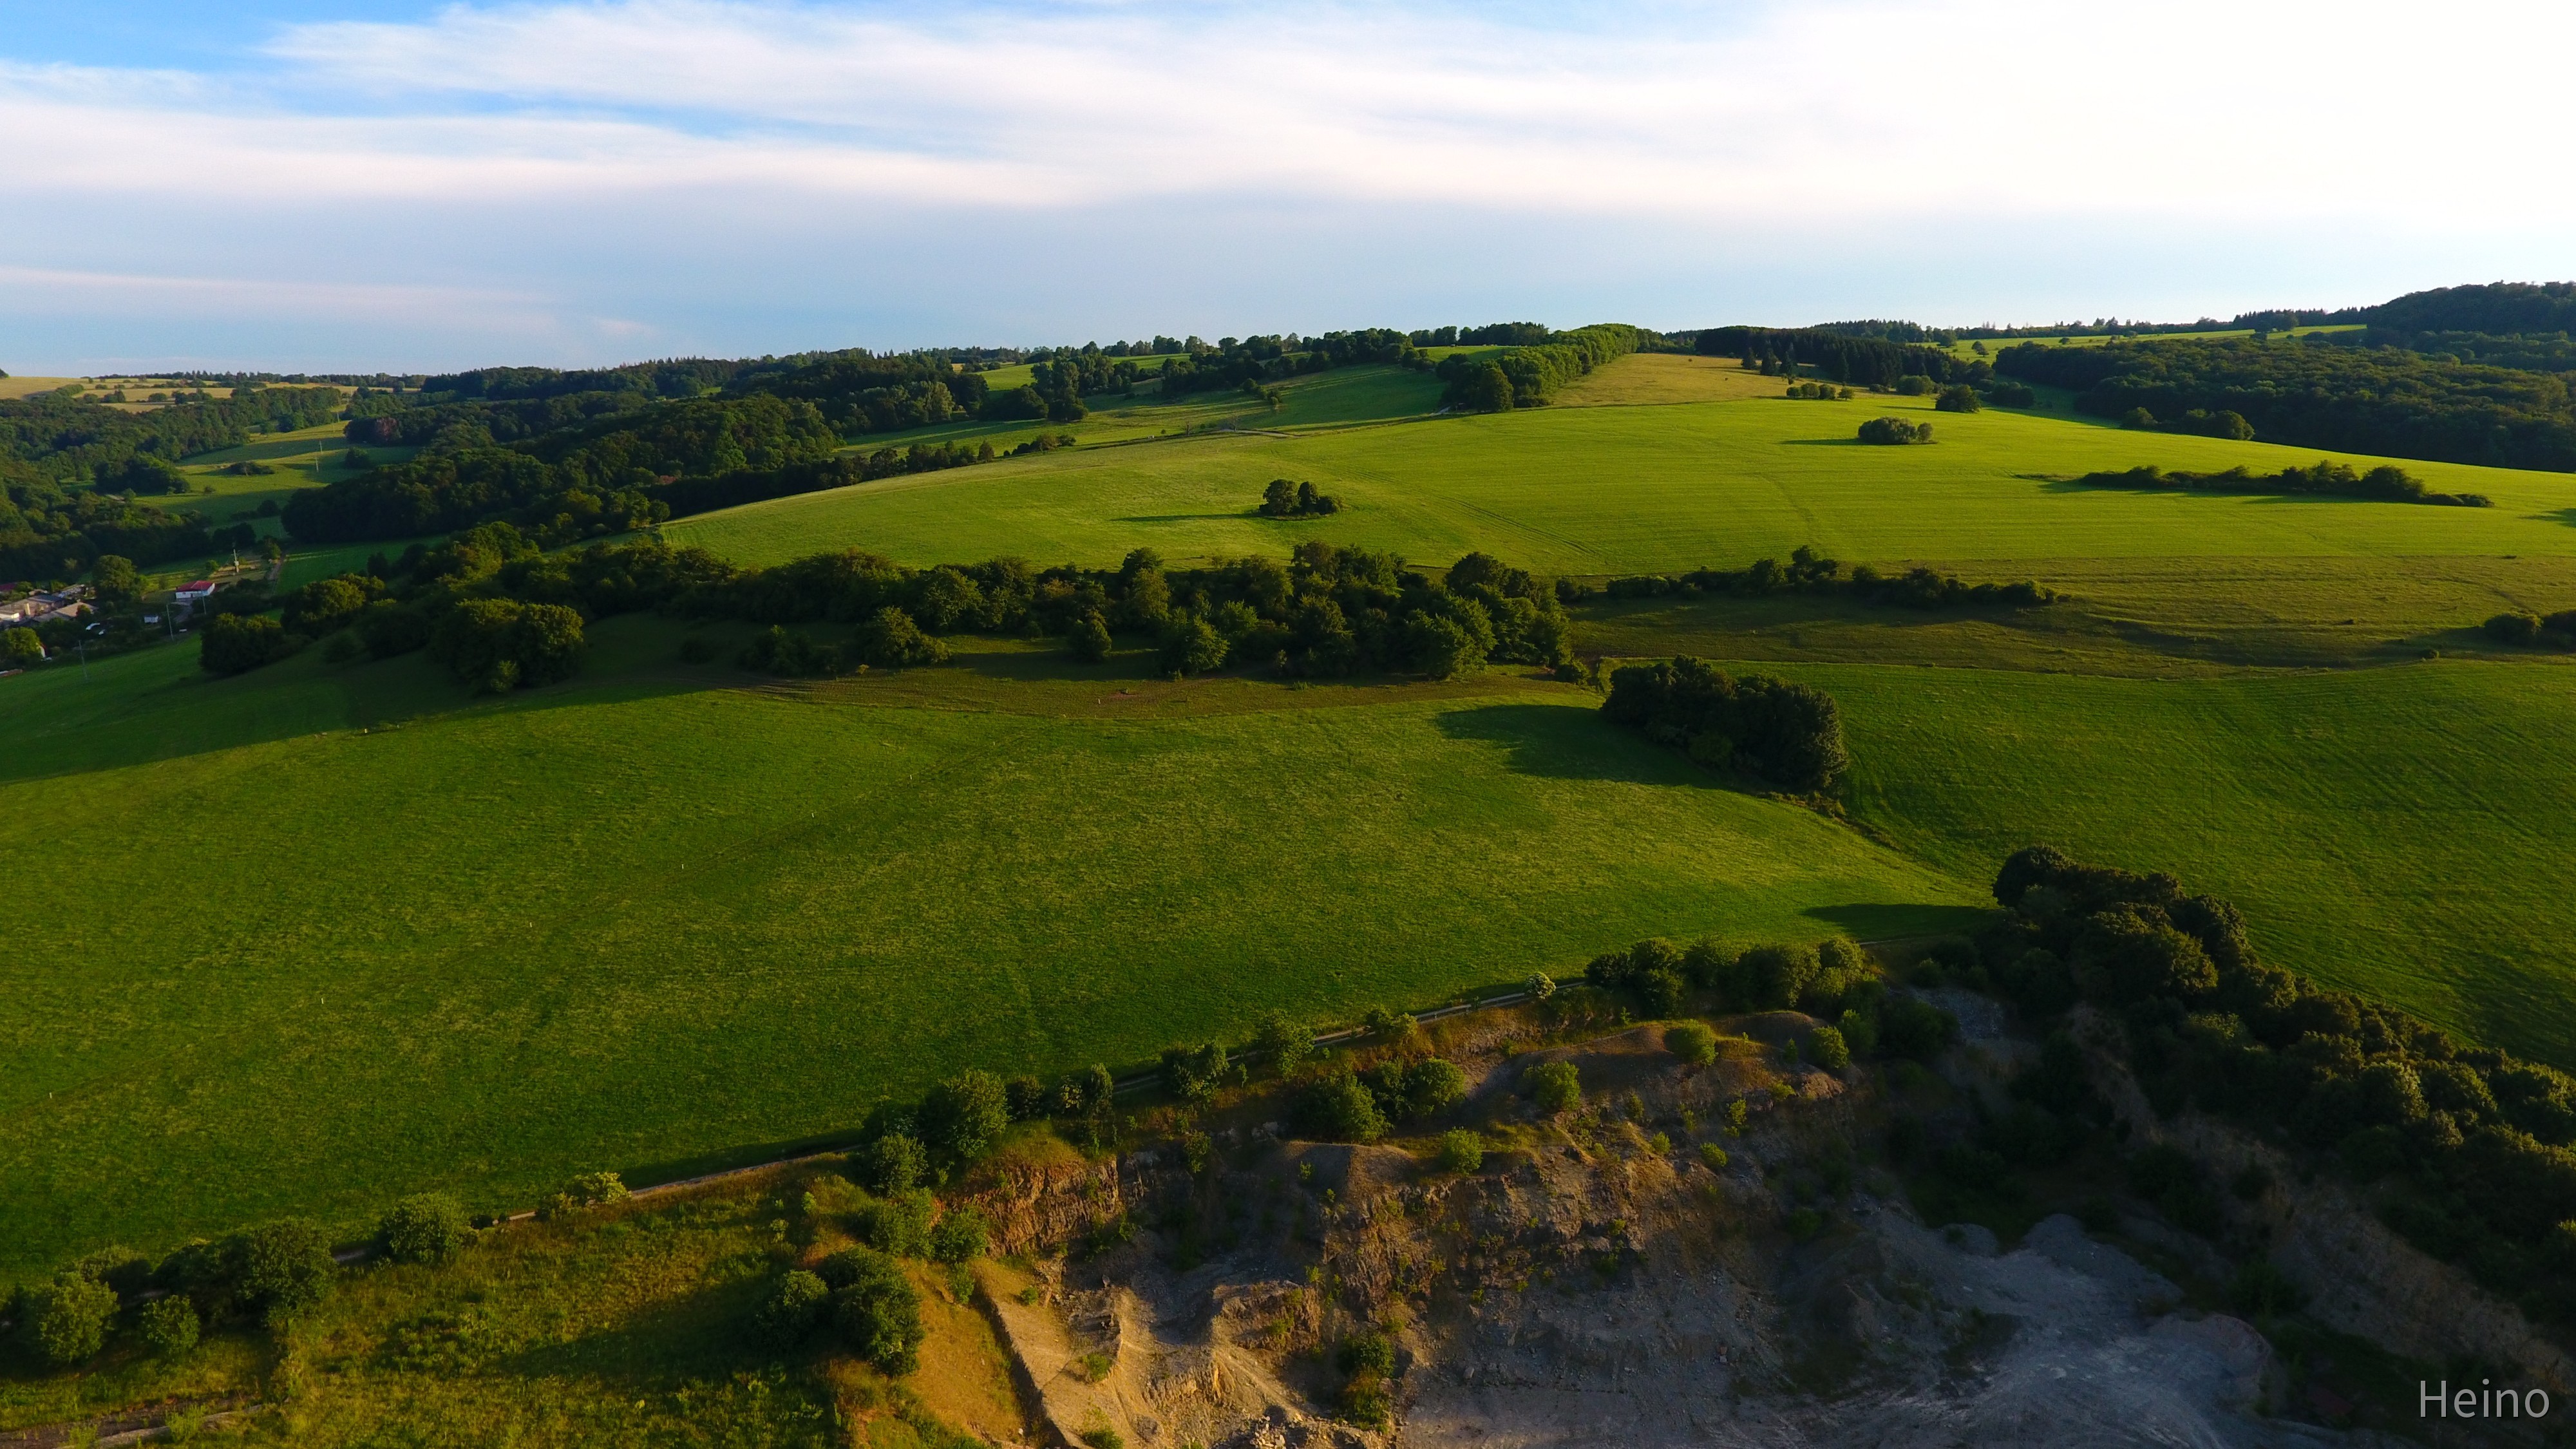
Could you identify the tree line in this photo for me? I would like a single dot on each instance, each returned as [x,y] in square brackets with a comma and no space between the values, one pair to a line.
[1809,572]
[2379,400]
[1838,356]
[500,613]
[2471,1151]
[1529,375]
[2385,484]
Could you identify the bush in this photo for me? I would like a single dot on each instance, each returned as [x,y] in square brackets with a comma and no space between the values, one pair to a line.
[427,1228]
[1691,1041]
[496,645]
[960,1236]
[893,1164]
[20,648]
[2513,628]
[1194,1073]
[793,1308]
[1461,1151]
[1339,1109]
[876,1310]
[239,643]
[282,1268]
[1713,1155]
[1433,1085]
[1287,1043]
[1366,1352]
[1554,1086]
[1827,1049]
[169,1326]
[590,1189]
[1090,639]
[896,1226]
[891,640]
[965,1115]
[66,1321]
[1894,432]
[1191,646]
[1913,1028]
[1958,397]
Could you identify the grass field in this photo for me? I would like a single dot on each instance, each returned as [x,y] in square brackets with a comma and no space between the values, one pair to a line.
[1596,490]
[644,923]
[319,937]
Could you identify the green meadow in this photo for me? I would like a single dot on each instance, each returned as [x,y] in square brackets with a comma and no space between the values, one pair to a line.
[322,935]
[652,922]
[1599,490]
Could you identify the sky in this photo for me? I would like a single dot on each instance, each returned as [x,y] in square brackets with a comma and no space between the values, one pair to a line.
[297,185]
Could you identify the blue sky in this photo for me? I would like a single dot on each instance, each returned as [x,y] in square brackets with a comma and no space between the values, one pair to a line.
[298,184]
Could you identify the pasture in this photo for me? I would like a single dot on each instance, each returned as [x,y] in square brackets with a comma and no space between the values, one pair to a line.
[1607,490]
[333,934]
[358,937]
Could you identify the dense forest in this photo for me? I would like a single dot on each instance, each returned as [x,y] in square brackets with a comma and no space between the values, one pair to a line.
[2468,1152]
[72,437]
[2318,395]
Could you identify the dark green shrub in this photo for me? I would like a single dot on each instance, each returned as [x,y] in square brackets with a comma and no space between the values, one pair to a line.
[2510,628]
[1554,1086]
[1827,1049]
[1191,646]
[893,1164]
[793,1308]
[891,640]
[1194,1073]
[1339,1109]
[66,1321]
[1771,977]
[1958,397]
[1366,1352]
[1894,432]
[281,1268]
[1915,1029]
[1090,639]
[2263,1291]
[430,1227]
[169,1326]
[896,1226]
[960,1236]
[1287,1043]
[1461,1151]
[587,1190]
[876,1310]
[239,643]
[1692,1042]
[497,645]
[388,629]
[965,1115]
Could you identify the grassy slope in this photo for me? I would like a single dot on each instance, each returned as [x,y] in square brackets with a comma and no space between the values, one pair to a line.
[1624,489]
[640,922]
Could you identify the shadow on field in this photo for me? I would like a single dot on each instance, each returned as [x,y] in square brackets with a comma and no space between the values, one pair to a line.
[1852,442]
[658,1349]
[1870,921]
[1557,743]
[2564,515]
[1186,517]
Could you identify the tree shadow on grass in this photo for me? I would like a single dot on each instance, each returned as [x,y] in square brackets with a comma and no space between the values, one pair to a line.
[1557,743]
[1185,517]
[1895,920]
[699,1336]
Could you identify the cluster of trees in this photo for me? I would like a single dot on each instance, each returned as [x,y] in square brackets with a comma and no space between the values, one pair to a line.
[1831,980]
[2551,631]
[2379,400]
[267,1274]
[1325,611]
[1819,392]
[1838,356]
[1809,572]
[1283,499]
[2384,484]
[1528,375]
[1257,360]
[2475,1150]
[1787,733]
[1894,432]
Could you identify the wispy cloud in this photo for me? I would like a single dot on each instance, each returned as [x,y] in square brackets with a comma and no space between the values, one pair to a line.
[1824,119]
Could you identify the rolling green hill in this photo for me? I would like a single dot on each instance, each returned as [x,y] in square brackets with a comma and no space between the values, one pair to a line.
[1594,490]
[313,937]
[645,923]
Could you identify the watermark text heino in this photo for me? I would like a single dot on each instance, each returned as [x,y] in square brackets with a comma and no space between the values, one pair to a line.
[2442,1401]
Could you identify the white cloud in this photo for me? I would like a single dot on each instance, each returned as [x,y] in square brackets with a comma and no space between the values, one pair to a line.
[824,167]
[1833,107]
